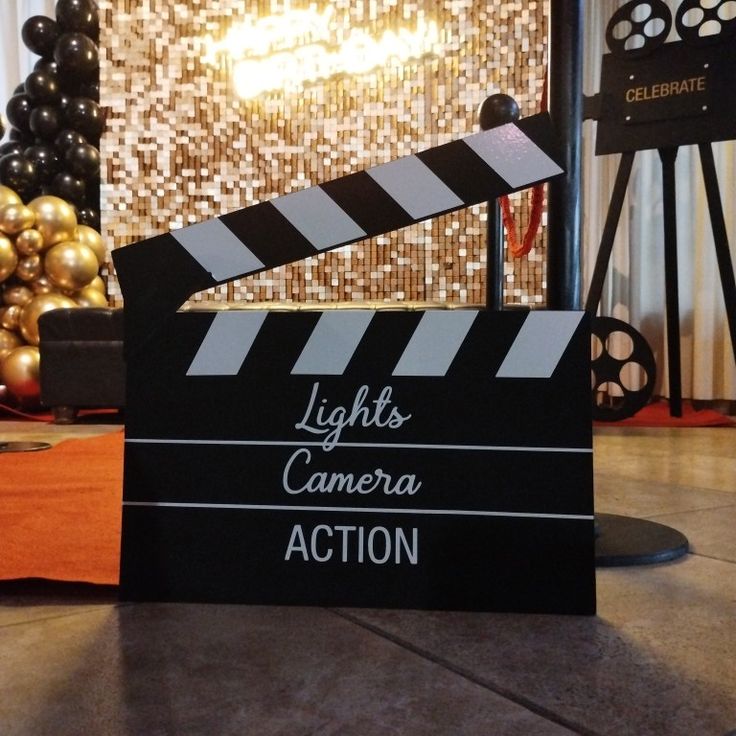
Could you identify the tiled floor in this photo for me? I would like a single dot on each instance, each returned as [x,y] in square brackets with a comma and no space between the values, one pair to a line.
[659,658]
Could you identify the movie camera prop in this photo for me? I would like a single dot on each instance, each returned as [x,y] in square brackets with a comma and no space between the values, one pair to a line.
[353,456]
[657,95]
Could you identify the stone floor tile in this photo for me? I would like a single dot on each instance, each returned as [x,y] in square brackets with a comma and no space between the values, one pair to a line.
[185,670]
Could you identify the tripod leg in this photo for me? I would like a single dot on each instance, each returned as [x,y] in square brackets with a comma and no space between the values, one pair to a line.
[609,232]
[720,238]
[668,156]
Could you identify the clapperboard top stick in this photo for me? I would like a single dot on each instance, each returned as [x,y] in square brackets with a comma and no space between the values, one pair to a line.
[159,274]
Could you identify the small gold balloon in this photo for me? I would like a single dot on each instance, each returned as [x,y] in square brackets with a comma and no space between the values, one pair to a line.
[10,317]
[91,238]
[99,284]
[17,295]
[90,297]
[42,285]
[8,341]
[20,372]
[28,242]
[29,268]
[55,219]
[70,265]
[8,196]
[35,308]
[8,258]
[16,217]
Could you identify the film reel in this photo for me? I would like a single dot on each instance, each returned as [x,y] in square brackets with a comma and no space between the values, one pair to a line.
[610,369]
[706,22]
[638,28]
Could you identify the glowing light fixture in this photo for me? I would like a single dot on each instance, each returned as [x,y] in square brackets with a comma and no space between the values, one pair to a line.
[283,52]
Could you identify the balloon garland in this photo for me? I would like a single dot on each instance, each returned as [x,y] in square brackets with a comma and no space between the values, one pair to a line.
[50,246]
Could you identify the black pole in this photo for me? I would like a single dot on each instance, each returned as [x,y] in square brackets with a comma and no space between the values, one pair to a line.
[564,275]
[494,258]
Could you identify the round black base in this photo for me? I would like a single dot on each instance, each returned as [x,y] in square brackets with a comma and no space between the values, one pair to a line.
[622,541]
[24,446]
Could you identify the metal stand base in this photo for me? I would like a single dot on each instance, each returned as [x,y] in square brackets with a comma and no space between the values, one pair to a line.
[24,446]
[622,541]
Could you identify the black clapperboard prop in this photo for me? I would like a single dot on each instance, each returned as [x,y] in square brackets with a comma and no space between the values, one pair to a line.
[437,459]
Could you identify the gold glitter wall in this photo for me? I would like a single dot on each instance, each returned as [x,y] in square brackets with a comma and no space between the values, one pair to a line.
[180,147]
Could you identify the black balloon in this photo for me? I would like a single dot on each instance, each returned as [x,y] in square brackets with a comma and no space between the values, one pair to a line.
[11,147]
[68,187]
[89,216]
[18,111]
[45,159]
[78,15]
[91,90]
[40,34]
[21,136]
[496,110]
[41,87]
[18,173]
[83,160]
[48,66]
[67,138]
[85,116]
[76,54]
[2,127]
[45,122]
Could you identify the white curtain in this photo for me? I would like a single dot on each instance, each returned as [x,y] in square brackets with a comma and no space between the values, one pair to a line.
[634,289]
[16,61]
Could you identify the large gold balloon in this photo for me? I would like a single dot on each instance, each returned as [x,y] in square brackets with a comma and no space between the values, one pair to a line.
[35,308]
[9,196]
[17,295]
[8,341]
[20,372]
[10,317]
[99,284]
[16,217]
[90,297]
[29,268]
[29,242]
[70,265]
[55,219]
[90,237]
[8,258]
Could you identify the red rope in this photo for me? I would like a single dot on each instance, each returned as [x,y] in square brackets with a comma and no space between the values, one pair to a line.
[519,249]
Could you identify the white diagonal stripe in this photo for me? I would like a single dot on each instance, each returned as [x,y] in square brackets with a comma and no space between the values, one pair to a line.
[217,249]
[226,344]
[333,342]
[514,156]
[415,187]
[318,218]
[538,347]
[435,343]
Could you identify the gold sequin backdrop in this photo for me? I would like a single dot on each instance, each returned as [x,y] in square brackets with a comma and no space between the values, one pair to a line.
[180,147]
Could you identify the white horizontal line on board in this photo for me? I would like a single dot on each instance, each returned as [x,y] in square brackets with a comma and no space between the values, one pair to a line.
[356,510]
[377,445]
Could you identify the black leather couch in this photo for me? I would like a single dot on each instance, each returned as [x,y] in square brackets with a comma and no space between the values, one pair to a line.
[82,362]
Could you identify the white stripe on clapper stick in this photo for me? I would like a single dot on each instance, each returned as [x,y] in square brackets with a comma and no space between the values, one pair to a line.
[226,344]
[538,347]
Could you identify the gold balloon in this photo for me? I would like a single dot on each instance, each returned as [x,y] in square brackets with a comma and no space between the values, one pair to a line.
[17,295]
[8,196]
[10,317]
[29,268]
[16,217]
[35,308]
[20,372]
[29,242]
[90,237]
[90,297]
[55,219]
[70,265]
[41,285]
[8,258]
[8,341]
[99,284]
